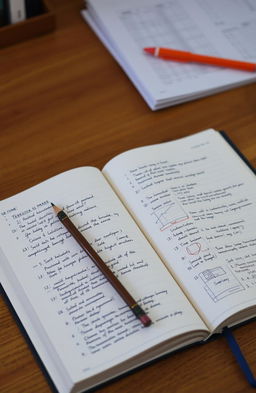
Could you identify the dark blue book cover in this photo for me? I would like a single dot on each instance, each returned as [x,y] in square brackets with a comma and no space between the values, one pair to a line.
[3,13]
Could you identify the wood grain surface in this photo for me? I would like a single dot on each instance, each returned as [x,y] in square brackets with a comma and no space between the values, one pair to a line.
[65,102]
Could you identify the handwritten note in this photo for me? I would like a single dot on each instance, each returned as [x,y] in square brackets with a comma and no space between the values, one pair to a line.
[66,287]
[198,209]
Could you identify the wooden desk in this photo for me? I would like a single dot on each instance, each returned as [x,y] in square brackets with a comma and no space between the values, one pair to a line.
[64,103]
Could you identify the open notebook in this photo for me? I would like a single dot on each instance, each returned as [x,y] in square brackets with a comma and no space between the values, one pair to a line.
[175,222]
[216,28]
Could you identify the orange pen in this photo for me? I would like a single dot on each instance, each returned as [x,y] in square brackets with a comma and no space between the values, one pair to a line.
[178,55]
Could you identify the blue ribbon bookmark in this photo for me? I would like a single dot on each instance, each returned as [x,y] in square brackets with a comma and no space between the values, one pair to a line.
[239,356]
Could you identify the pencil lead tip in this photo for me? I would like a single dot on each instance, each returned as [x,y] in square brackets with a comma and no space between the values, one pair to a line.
[56,208]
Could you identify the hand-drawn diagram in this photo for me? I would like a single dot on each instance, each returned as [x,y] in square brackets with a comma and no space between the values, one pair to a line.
[194,248]
[170,214]
[220,283]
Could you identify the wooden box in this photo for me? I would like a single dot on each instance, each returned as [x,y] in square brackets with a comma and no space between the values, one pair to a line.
[31,27]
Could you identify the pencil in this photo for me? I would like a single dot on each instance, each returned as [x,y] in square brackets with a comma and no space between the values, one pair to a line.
[134,306]
[178,55]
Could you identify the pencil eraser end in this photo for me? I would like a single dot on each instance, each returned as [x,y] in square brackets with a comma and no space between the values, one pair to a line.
[146,321]
[149,50]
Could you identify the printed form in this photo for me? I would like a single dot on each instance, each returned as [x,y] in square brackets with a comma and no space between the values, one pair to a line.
[224,28]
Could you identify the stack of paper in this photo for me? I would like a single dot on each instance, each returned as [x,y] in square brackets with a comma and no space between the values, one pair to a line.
[216,28]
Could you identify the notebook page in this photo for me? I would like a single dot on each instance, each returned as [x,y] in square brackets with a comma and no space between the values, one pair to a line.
[196,202]
[79,318]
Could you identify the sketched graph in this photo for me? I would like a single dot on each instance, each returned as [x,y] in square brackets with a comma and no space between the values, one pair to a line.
[169,214]
[220,283]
